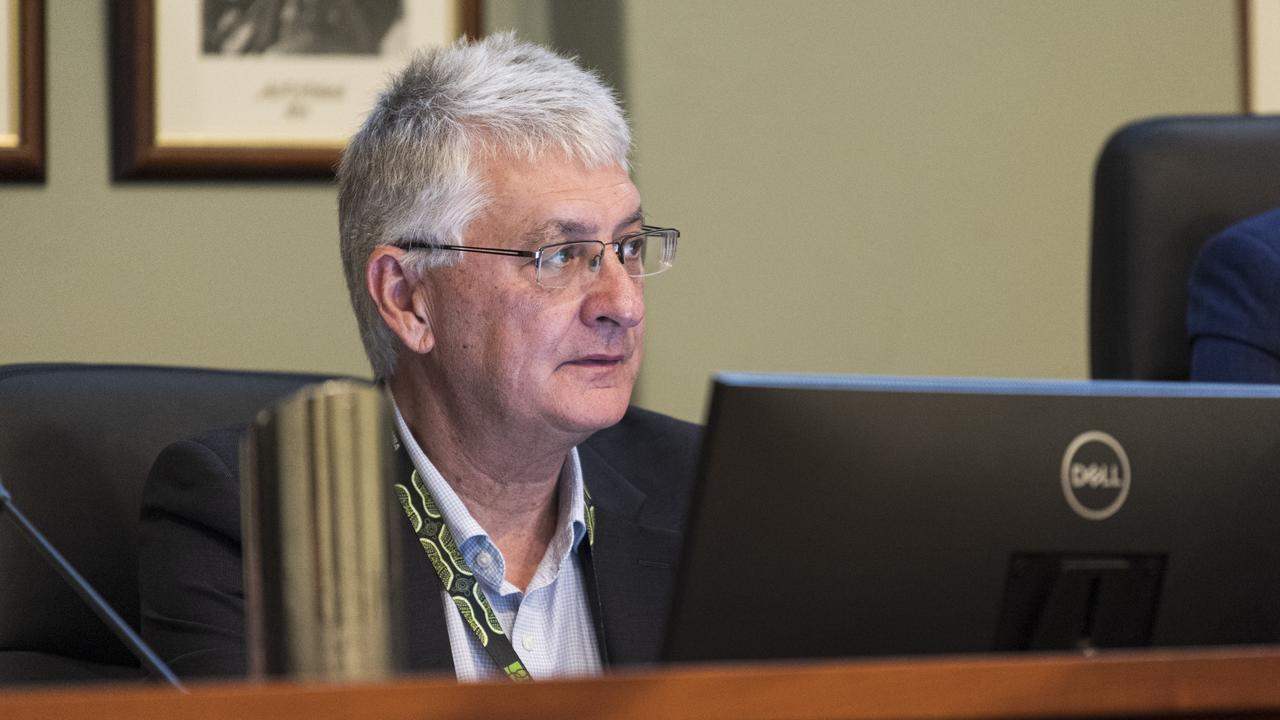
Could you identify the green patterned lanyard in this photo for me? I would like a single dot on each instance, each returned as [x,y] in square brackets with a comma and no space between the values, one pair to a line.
[459,581]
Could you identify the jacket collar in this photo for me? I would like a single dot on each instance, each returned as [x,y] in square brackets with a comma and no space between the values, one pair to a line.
[634,563]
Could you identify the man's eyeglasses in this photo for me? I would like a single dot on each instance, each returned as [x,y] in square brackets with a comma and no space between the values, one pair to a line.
[577,262]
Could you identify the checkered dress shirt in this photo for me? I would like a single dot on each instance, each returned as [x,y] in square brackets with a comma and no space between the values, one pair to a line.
[550,623]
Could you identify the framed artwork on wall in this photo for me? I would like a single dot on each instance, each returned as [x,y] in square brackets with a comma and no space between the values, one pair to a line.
[258,88]
[22,90]
[1261,55]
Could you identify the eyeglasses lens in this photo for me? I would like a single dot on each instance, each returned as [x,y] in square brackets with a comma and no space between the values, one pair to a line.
[577,263]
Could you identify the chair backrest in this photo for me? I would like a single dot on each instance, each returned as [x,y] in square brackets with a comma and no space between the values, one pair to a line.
[76,444]
[1161,189]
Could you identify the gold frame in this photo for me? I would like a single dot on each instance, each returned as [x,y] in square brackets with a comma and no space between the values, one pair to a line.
[1260,49]
[24,159]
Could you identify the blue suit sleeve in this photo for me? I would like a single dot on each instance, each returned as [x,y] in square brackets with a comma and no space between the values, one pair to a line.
[1233,311]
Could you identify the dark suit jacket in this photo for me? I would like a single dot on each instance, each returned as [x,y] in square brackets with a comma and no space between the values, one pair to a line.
[639,472]
[1233,309]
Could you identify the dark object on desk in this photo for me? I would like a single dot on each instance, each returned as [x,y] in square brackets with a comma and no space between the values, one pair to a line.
[1233,313]
[76,442]
[324,598]
[1162,188]
[847,516]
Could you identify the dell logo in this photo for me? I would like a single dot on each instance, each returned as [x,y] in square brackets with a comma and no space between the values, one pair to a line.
[1095,475]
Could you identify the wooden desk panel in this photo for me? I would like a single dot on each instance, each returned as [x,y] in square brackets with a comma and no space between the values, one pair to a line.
[1226,683]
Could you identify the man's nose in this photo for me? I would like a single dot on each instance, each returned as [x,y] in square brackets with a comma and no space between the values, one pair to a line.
[614,297]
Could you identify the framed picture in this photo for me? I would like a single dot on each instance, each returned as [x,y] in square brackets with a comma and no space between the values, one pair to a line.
[1261,55]
[22,90]
[259,88]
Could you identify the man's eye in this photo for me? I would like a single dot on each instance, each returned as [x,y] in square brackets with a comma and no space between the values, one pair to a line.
[634,247]
[561,256]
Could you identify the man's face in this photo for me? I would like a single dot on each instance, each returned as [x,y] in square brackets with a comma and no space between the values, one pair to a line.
[516,356]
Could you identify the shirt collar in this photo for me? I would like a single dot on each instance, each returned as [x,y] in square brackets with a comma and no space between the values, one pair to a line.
[471,537]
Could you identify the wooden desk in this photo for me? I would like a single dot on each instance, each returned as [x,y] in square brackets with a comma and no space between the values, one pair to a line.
[1226,683]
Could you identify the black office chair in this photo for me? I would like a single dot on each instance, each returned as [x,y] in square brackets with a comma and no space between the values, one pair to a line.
[76,443]
[1161,189]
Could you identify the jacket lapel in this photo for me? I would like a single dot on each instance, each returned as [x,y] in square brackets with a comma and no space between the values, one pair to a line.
[427,637]
[635,565]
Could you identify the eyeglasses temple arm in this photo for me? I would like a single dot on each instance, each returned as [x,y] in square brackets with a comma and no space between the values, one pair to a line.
[469,248]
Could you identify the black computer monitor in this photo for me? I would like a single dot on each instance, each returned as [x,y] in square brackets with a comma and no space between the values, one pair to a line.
[863,516]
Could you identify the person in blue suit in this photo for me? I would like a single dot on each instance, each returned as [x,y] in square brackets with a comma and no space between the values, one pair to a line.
[1233,311]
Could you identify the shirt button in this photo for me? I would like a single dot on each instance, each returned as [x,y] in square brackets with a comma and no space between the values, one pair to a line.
[484,559]
[528,643]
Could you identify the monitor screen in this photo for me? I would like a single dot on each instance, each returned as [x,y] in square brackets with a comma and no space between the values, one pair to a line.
[845,516]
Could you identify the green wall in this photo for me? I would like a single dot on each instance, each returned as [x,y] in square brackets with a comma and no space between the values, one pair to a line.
[219,274]
[889,187]
[892,186]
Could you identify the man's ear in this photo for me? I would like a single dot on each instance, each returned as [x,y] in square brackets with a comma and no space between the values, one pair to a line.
[395,292]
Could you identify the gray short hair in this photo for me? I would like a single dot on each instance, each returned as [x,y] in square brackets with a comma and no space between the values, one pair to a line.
[410,170]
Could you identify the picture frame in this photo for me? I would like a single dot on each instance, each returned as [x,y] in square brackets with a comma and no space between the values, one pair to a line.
[1261,62]
[22,126]
[297,90]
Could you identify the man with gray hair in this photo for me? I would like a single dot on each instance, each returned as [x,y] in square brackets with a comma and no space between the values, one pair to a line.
[494,248]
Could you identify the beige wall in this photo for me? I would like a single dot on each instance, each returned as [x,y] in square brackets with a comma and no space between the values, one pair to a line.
[218,274]
[889,187]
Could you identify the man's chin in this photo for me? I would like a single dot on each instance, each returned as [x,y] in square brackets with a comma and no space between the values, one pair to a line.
[585,418]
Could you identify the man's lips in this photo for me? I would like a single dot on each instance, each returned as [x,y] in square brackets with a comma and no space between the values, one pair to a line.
[598,360]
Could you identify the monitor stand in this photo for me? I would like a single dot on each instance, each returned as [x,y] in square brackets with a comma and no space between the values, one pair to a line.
[1080,602]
